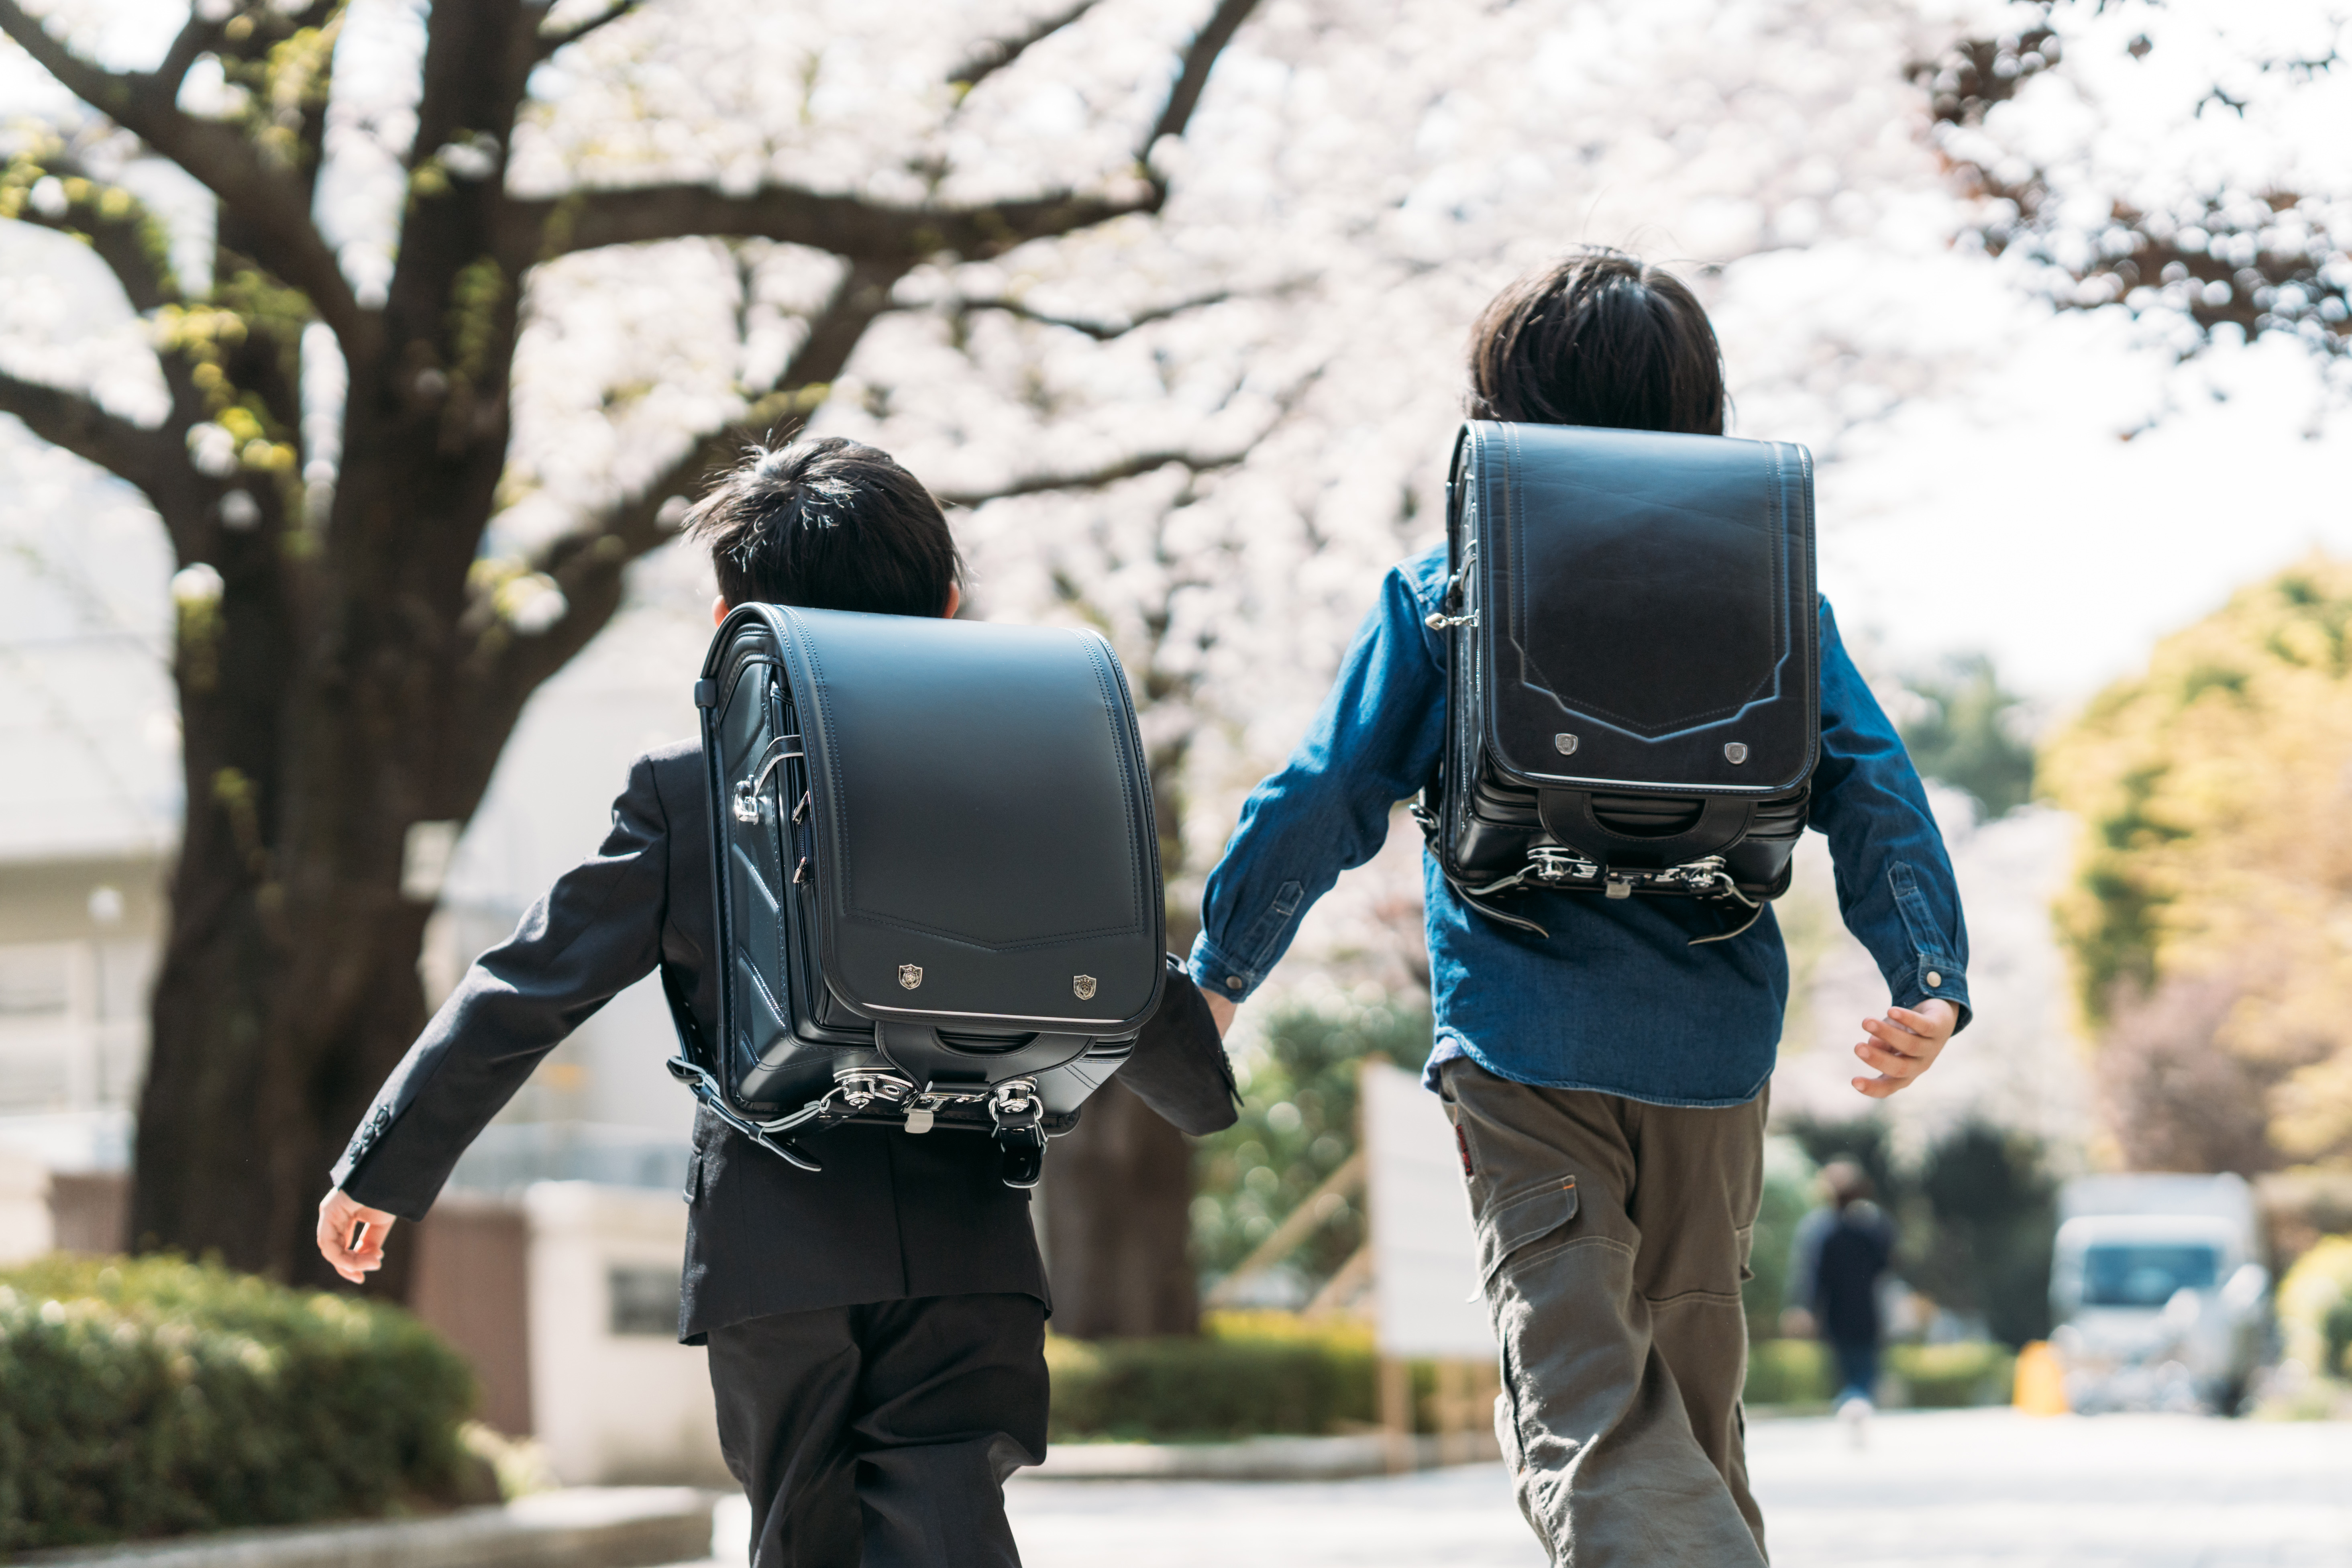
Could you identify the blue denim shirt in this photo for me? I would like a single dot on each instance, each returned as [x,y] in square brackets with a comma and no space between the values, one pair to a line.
[1615,998]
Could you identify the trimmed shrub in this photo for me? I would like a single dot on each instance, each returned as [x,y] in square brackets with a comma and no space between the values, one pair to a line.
[1942,1377]
[1950,1377]
[152,1396]
[1790,1372]
[1250,1373]
[1261,1373]
[2314,1307]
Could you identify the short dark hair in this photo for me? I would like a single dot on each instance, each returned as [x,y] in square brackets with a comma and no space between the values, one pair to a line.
[1598,337]
[828,524]
[1847,1184]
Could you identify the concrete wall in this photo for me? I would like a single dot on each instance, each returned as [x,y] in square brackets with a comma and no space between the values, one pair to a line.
[25,1227]
[614,1398]
[472,1285]
[77,941]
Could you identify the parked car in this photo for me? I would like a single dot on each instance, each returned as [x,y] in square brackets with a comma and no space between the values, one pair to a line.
[2158,1292]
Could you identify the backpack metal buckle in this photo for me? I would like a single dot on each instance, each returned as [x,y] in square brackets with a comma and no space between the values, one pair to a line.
[750,806]
[1551,863]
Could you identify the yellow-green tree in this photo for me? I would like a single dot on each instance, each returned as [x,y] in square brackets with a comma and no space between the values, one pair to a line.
[2210,917]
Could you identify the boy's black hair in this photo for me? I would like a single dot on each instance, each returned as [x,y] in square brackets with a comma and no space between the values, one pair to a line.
[827,524]
[1598,339]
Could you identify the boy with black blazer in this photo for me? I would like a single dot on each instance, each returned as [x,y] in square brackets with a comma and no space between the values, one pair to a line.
[875,1329]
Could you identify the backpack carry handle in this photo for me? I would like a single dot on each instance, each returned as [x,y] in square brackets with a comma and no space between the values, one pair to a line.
[1568,815]
[917,1050]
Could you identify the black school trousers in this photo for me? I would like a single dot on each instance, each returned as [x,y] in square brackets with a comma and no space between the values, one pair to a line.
[880,1435]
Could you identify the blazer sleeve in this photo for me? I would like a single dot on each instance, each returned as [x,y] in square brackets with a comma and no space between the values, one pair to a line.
[597,931]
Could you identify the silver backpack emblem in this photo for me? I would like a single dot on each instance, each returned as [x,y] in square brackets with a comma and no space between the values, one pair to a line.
[910,976]
[1083,984]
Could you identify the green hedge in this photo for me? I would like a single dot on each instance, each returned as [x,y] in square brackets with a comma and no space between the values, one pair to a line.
[1953,1376]
[1249,1372]
[1255,1373]
[155,1397]
[1925,1377]
[1790,1372]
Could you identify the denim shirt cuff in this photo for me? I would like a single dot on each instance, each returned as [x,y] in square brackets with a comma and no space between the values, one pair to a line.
[1935,976]
[1219,975]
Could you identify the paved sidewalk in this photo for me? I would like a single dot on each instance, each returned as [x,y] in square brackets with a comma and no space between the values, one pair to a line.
[1973,1488]
[1940,1490]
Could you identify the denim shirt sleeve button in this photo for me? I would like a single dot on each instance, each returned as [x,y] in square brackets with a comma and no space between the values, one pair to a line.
[1934,979]
[1234,983]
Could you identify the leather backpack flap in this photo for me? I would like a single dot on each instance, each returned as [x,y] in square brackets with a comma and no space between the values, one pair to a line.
[986,861]
[1648,614]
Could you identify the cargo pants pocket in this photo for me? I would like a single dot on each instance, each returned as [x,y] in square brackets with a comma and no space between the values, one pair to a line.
[1520,1222]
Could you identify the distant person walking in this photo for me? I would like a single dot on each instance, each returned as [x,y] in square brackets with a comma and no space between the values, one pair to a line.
[1842,1248]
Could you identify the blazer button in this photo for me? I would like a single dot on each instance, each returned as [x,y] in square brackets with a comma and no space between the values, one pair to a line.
[1934,979]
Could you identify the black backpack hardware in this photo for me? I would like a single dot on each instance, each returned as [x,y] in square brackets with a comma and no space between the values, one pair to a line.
[1633,667]
[937,873]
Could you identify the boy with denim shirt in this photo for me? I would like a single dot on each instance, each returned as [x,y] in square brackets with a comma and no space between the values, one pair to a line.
[1608,1081]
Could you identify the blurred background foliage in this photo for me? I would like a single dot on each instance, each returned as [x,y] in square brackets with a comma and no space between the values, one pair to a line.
[2206,923]
[1968,730]
[2314,1307]
[1247,1373]
[1298,1077]
[1974,1218]
[1975,1212]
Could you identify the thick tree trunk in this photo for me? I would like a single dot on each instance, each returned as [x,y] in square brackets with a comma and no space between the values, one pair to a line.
[328,705]
[1118,1220]
[266,1050]
[346,683]
[1118,1189]
[315,734]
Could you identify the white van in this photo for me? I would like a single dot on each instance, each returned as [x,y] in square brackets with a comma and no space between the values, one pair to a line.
[2158,1292]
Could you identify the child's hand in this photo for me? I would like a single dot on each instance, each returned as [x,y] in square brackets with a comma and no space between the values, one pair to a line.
[1904,1043]
[1222,1011]
[339,1215]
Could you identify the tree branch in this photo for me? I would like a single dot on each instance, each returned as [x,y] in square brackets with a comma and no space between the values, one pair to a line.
[1094,478]
[269,200]
[1192,78]
[587,564]
[859,230]
[156,461]
[1285,404]
[195,39]
[866,231]
[549,42]
[109,220]
[1101,332]
[988,59]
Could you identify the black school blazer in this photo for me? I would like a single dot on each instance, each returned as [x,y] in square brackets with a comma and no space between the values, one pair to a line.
[889,1216]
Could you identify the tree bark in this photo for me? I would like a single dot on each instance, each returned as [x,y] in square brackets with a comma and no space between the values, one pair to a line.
[1118,1223]
[1118,1187]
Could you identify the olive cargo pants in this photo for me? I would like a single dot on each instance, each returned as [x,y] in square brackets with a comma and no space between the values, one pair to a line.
[1612,1238]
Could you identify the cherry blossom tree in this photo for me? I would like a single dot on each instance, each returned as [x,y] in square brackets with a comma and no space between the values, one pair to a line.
[1187,345]
[2183,162]
[365,603]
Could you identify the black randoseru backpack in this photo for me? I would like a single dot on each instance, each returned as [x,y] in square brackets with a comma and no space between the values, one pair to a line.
[1633,667]
[937,873]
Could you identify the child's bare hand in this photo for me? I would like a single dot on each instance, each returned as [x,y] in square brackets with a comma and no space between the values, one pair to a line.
[1904,1043]
[339,1215]
[1222,1011]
